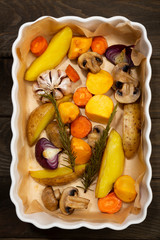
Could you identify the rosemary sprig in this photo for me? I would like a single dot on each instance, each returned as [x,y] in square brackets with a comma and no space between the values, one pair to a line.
[93,167]
[65,139]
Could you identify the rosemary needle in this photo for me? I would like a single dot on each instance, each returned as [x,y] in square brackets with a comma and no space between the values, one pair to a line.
[65,139]
[93,167]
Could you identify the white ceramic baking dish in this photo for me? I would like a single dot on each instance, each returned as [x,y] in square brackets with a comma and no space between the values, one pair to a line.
[43,220]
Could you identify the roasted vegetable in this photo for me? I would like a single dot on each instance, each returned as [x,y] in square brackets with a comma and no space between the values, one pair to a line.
[54,54]
[99,45]
[53,134]
[131,128]
[81,150]
[99,108]
[124,188]
[81,127]
[38,46]
[53,82]
[49,198]
[70,201]
[126,86]
[111,166]
[78,46]
[46,154]
[95,135]
[90,61]
[119,53]
[59,176]
[40,118]
[68,111]
[99,83]
[81,96]
[72,73]
[110,203]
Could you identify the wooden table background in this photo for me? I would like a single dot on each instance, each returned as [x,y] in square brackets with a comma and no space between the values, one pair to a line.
[13,13]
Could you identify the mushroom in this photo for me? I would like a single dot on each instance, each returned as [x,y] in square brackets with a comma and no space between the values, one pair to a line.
[70,201]
[53,82]
[120,74]
[127,94]
[50,198]
[95,135]
[127,90]
[91,61]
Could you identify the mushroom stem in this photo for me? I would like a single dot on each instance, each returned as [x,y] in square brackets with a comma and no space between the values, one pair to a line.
[77,202]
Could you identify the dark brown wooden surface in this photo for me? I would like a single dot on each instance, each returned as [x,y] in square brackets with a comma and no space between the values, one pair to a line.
[13,13]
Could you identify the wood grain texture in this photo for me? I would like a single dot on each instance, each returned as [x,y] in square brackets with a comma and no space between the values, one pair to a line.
[13,13]
[17,229]
[19,12]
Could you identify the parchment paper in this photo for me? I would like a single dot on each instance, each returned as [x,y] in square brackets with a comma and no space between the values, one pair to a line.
[29,190]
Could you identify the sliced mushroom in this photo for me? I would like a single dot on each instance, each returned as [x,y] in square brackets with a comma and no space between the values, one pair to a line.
[120,74]
[50,198]
[95,135]
[70,201]
[127,94]
[126,86]
[90,61]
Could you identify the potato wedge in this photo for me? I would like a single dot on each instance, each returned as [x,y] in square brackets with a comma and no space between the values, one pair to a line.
[40,118]
[59,176]
[131,128]
[112,165]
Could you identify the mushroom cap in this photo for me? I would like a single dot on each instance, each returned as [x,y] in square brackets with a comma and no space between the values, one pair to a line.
[99,129]
[69,191]
[120,74]
[48,198]
[94,136]
[128,94]
[90,61]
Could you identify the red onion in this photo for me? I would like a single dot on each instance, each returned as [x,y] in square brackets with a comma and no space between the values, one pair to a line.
[115,55]
[46,154]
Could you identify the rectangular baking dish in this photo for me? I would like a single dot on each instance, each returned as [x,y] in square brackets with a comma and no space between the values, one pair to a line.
[43,220]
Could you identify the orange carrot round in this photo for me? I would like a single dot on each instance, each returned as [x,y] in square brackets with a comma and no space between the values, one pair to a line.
[81,127]
[72,73]
[109,204]
[38,45]
[99,45]
[81,96]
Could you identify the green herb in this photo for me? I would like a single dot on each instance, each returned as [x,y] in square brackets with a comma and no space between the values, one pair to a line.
[65,139]
[93,167]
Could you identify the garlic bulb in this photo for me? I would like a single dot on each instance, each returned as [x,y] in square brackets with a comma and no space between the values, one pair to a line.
[53,82]
[65,86]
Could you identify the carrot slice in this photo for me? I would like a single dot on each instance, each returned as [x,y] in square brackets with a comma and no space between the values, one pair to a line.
[99,45]
[81,96]
[72,74]
[38,46]
[81,127]
[109,204]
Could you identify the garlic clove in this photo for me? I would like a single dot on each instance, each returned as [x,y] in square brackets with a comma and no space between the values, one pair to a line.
[57,94]
[44,80]
[55,78]
[39,92]
[65,86]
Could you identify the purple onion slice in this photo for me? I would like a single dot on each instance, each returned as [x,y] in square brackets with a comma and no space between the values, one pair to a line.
[119,53]
[46,154]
